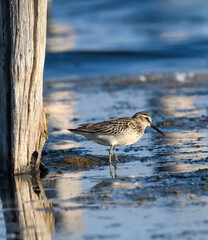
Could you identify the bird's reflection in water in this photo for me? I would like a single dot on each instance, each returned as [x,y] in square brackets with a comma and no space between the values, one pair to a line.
[115,169]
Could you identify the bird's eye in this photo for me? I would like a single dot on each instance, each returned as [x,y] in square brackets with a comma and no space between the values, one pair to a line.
[147,119]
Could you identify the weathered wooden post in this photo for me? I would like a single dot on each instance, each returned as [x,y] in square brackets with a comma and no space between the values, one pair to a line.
[22,54]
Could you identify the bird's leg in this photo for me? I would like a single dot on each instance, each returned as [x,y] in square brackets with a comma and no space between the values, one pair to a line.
[114,153]
[115,169]
[110,152]
[111,171]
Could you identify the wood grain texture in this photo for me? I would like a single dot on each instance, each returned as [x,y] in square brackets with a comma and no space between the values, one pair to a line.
[25,116]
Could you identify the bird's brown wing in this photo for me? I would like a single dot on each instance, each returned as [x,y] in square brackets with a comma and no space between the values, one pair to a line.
[112,126]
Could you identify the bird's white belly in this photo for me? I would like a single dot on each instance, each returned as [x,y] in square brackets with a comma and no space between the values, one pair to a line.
[126,139]
[123,139]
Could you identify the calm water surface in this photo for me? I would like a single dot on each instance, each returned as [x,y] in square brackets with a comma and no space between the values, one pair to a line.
[116,37]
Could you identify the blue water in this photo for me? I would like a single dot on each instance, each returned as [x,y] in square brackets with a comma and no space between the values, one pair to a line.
[118,37]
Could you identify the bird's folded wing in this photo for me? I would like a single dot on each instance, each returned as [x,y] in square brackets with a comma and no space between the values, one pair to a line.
[112,126]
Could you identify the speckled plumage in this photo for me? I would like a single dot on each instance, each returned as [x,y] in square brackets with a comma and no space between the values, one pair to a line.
[113,126]
[116,132]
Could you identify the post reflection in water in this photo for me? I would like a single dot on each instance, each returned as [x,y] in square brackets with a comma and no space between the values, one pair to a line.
[27,213]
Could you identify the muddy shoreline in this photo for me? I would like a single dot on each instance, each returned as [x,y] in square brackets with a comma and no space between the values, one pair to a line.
[156,173]
[159,188]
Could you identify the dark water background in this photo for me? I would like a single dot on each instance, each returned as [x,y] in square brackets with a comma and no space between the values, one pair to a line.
[118,37]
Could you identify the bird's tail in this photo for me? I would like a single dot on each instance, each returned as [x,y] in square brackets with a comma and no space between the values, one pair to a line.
[74,130]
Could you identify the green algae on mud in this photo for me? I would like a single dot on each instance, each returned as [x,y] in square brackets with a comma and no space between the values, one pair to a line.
[58,160]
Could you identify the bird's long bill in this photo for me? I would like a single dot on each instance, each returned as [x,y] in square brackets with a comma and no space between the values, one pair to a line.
[157,129]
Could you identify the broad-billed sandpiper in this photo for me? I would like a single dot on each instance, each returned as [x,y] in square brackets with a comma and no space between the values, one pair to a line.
[117,132]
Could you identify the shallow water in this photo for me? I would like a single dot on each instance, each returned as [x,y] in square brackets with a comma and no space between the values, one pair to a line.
[159,189]
[160,185]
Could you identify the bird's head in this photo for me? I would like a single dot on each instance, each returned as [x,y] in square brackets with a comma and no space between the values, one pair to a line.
[146,120]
